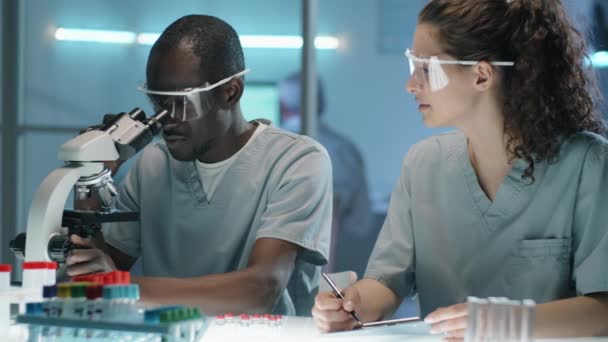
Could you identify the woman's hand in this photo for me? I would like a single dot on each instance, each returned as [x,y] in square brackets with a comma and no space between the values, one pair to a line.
[450,321]
[334,314]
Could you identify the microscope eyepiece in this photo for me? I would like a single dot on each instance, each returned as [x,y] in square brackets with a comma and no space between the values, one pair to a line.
[137,114]
[155,122]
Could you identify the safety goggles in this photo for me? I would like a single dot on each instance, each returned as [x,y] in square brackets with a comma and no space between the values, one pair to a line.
[186,104]
[430,73]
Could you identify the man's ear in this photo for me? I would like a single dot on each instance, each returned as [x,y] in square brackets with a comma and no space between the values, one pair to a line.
[231,93]
[485,76]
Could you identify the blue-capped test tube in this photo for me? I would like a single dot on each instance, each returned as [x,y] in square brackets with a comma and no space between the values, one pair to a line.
[50,308]
[133,312]
[34,331]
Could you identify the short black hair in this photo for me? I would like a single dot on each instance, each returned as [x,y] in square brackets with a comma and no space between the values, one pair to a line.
[213,40]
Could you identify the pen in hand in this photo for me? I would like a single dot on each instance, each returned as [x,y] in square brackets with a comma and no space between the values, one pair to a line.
[338,293]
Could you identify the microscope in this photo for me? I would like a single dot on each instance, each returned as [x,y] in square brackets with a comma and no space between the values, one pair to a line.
[119,138]
[46,241]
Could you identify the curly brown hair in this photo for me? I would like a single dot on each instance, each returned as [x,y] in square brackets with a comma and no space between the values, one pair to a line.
[550,93]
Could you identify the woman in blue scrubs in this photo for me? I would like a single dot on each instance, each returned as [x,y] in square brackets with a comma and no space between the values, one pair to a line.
[514,203]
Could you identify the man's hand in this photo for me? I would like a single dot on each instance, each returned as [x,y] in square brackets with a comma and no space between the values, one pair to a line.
[450,321]
[334,314]
[89,260]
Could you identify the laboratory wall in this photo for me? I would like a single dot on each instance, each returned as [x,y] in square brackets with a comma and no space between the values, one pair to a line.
[70,85]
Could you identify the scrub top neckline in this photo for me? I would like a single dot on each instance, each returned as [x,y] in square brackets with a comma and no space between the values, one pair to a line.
[512,190]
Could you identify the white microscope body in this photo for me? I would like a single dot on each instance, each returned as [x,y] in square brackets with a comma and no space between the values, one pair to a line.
[121,137]
[84,156]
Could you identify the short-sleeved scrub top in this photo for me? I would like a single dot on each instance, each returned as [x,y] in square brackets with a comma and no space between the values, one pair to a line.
[444,240]
[278,187]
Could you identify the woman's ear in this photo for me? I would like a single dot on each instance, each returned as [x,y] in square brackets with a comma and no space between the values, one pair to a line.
[484,76]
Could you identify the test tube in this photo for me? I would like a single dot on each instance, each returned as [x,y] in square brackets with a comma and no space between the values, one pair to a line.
[229,317]
[196,324]
[49,293]
[527,319]
[94,302]
[503,319]
[49,307]
[63,293]
[472,307]
[121,302]
[79,298]
[482,317]
[34,331]
[79,302]
[493,313]
[275,320]
[109,295]
[133,311]
[514,312]
[5,305]
[63,305]
[256,318]
[219,320]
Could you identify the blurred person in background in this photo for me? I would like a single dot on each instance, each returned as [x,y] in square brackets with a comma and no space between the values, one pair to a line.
[352,232]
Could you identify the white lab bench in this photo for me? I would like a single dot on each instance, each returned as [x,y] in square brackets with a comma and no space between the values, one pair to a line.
[301,329]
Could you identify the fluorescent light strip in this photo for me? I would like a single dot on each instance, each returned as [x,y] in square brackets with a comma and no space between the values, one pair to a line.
[148,38]
[100,36]
[271,42]
[287,42]
[600,59]
[327,42]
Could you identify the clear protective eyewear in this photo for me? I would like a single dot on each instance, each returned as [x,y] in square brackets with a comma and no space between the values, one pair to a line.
[430,73]
[186,104]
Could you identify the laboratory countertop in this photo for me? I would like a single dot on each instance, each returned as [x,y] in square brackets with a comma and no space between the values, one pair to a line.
[303,329]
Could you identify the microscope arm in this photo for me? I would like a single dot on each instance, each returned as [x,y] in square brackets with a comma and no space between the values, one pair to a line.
[121,138]
[46,211]
[84,156]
